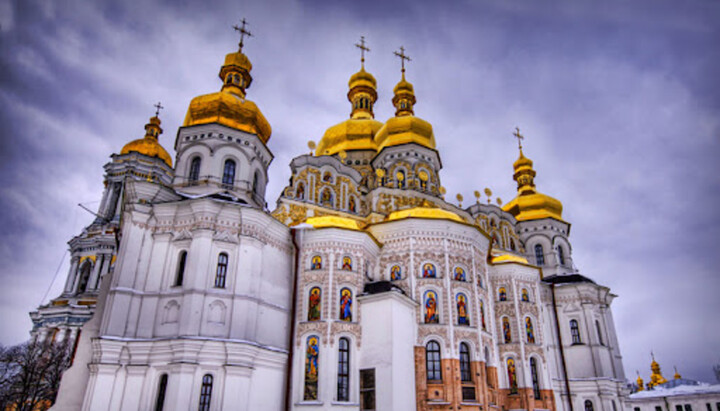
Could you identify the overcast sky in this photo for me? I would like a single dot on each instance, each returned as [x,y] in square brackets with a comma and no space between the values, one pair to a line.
[619,103]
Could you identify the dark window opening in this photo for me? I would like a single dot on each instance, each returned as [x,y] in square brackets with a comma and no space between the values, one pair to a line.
[162,387]
[228,179]
[539,254]
[221,271]
[575,332]
[343,384]
[205,393]
[367,390]
[181,268]
[194,174]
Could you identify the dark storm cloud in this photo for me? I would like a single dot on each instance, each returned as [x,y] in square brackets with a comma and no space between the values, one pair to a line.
[619,103]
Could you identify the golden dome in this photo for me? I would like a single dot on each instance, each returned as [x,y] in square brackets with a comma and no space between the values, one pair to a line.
[403,130]
[529,204]
[229,106]
[362,78]
[228,109]
[508,258]
[404,86]
[351,134]
[149,144]
[357,132]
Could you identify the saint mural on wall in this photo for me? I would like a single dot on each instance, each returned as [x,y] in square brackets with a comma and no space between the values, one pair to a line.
[345,305]
[482,315]
[311,368]
[429,271]
[395,273]
[347,263]
[459,274]
[506,330]
[512,376]
[503,294]
[351,205]
[314,304]
[300,191]
[529,330]
[462,310]
[431,316]
[524,295]
[316,263]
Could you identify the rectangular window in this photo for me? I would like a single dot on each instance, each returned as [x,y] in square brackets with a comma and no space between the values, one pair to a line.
[367,390]
[678,407]
[658,408]
[636,409]
[688,407]
[709,407]
[343,383]
[468,393]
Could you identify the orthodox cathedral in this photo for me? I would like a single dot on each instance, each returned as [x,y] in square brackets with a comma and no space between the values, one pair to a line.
[364,289]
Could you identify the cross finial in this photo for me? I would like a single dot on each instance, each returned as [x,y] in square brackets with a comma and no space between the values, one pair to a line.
[363,49]
[158,107]
[403,57]
[243,31]
[519,137]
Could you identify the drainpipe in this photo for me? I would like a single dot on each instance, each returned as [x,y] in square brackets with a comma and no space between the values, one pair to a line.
[560,344]
[291,337]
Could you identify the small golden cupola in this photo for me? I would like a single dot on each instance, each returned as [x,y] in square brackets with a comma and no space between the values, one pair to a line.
[656,378]
[640,382]
[149,144]
[404,128]
[529,203]
[229,106]
[357,132]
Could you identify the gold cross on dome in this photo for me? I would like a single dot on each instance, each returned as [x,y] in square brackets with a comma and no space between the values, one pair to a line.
[242,32]
[363,49]
[403,57]
[158,107]
[519,137]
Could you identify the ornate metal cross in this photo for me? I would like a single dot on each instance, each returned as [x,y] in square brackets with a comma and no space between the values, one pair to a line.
[519,137]
[363,49]
[158,107]
[242,32]
[403,57]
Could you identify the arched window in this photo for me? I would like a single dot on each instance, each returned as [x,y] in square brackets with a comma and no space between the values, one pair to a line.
[534,376]
[221,271]
[314,304]
[228,178]
[496,241]
[589,405]
[194,174]
[351,205]
[327,177]
[429,271]
[465,374]
[326,198]
[431,304]
[482,315]
[343,378]
[512,244]
[346,305]
[524,295]
[502,294]
[462,310]
[300,191]
[561,255]
[181,268]
[507,335]
[84,277]
[311,368]
[575,332]
[599,332]
[205,393]
[256,183]
[512,376]
[347,263]
[539,254]
[432,361]
[316,263]
[529,331]
[162,387]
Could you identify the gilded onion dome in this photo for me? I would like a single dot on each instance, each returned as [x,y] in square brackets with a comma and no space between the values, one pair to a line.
[405,127]
[229,106]
[149,144]
[355,133]
[529,204]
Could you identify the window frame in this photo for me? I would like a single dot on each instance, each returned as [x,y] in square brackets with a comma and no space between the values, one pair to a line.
[539,255]
[180,271]
[194,170]
[465,364]
[205,393]
[343,374]
[575,332]
[433,362]
[228,177]
[221,270]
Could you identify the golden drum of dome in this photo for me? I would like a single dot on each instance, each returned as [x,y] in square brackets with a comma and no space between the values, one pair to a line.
[425,212]
[229,110]
[403,130]
[534,207]
[351,134]
[404,86]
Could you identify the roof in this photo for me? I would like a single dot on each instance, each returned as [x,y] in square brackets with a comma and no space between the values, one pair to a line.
[567,278]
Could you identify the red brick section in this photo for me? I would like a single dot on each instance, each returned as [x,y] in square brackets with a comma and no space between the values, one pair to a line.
[447,395]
